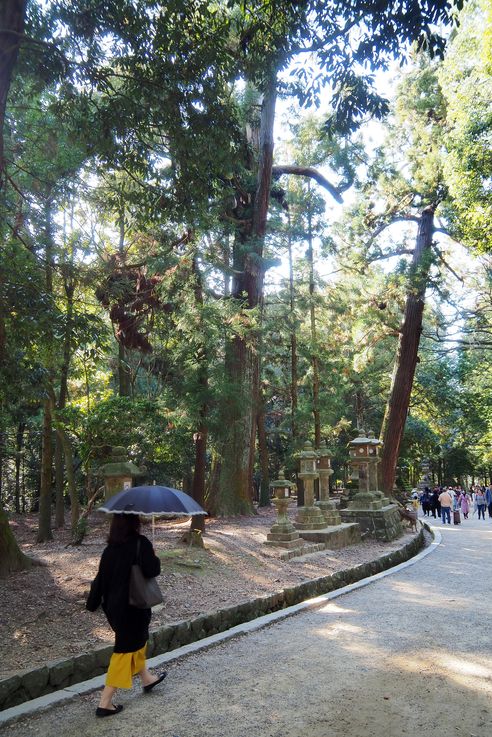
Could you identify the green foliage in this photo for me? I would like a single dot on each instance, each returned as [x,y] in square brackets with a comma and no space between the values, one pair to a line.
[153,435]
[27,313]
[466,78]
[419,441]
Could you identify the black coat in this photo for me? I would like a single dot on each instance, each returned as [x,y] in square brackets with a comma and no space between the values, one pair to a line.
[110,589]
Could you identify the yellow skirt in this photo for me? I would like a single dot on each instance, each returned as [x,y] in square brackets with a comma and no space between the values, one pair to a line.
[123,666]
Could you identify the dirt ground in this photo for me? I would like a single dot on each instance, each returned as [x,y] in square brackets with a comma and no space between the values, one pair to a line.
[42,610]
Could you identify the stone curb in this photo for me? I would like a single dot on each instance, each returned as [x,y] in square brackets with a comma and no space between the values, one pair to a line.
[62,680]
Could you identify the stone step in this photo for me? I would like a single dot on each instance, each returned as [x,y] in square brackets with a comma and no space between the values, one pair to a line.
[382,524]
[334,537]
[300,552]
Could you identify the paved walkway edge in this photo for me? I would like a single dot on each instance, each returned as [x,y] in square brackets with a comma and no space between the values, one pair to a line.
[69,692]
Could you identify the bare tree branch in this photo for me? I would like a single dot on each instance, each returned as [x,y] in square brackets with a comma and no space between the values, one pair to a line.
[445,263]
[446,232]
[466,344]
[399,219]
[309,171]
[390,254]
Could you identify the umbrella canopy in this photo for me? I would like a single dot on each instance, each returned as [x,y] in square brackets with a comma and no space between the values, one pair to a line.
[149,501]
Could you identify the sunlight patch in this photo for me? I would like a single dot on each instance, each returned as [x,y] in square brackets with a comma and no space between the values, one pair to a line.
[467,667]
[332,608]
[334,630]
[471,674]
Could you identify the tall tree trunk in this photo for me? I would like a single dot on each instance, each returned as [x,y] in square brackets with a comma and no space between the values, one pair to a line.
[226,255]
[359,409]
[314,337]
[124,373]
[212,486]
[62,400]
[44,527]
[59,461]
[242,361]
[264,500]
[2,457]
[11,557]
[3,332]
[19,443]
[239,418]
[406,358]
[198,485]
[293,344]
[12,15]
[74,497]
[201,436]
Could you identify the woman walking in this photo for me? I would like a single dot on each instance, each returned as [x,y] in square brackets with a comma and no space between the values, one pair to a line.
[110,589]
[464,503]
[480,501]
[434,502]
[426,502]
[474,500]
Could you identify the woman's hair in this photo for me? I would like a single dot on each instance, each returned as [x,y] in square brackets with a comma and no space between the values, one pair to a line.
[123,527]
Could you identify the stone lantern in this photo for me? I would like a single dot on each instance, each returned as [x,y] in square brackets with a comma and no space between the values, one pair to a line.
[369,507]
[373,460]
[119,473]
[425,477]
[281,486]
[283,534]
[359,459]
[361,451]
[327,505]
[309,517]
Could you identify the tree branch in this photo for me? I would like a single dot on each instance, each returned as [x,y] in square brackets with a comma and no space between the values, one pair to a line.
[309,171]
[390,254]
[446,232]
[445,263]
[466,344]
[23,38]
[381,228]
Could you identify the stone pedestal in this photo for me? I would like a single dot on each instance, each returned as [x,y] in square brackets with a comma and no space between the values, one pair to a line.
[330,512]
[382,523]
[382,498]
[365,500]
[335,536]
[309,517]
[327,505]
[283,534]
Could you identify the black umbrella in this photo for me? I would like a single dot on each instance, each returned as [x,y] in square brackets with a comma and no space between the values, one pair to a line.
[152,501]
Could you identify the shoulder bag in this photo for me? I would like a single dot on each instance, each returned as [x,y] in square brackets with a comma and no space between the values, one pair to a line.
[144,592]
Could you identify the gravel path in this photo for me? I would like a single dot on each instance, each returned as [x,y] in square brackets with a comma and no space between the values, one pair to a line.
[409,654]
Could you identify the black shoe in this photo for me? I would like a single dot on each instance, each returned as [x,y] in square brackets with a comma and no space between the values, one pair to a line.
[100,712]
[148,689]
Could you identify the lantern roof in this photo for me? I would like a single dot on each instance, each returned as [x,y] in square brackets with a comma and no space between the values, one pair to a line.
[374,440]
[119,465]
[361,439]
[281,482]
[308,450]
[323,450]
[126,468]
